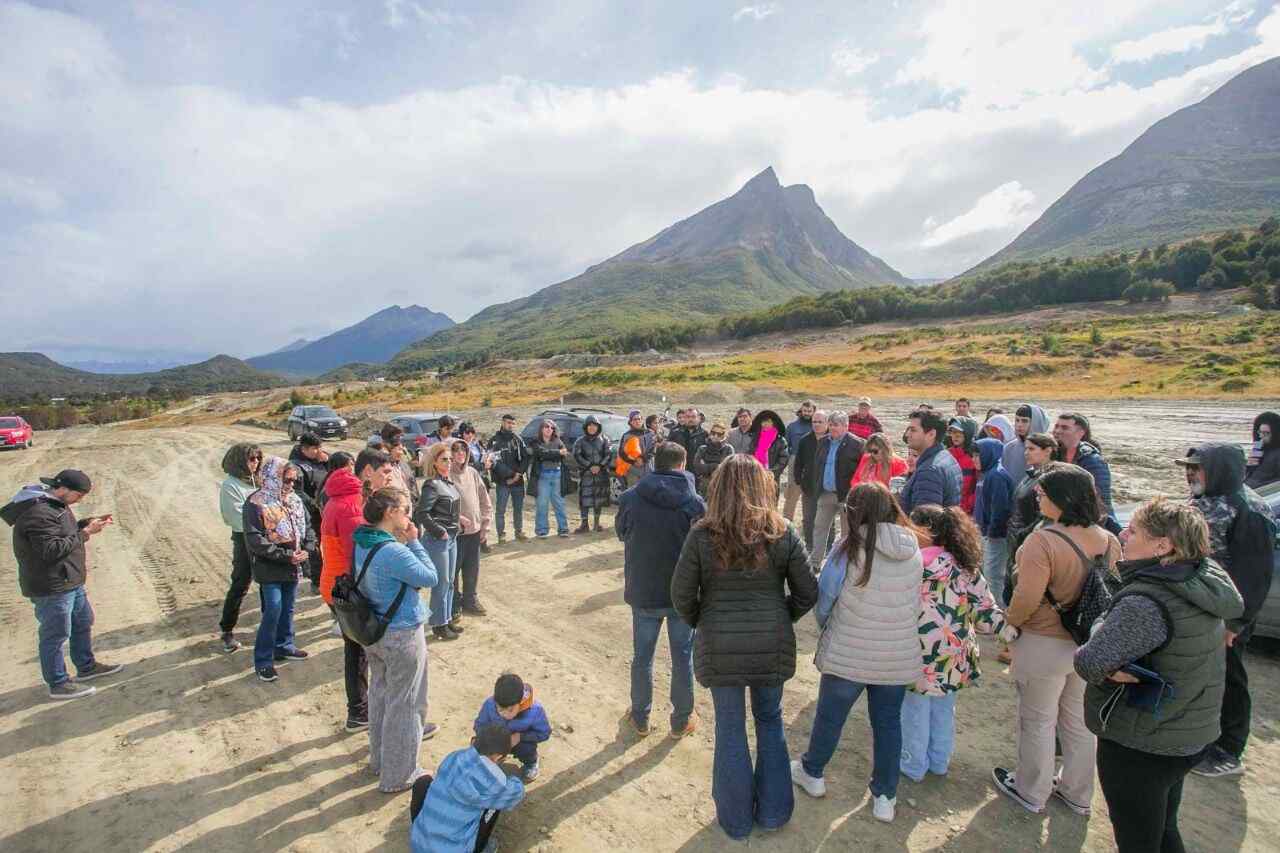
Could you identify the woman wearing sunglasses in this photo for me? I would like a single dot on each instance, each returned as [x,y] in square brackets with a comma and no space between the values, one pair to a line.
[240,464]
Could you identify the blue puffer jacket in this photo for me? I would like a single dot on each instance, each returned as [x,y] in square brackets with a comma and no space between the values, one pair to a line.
[995,491]
[393,565]
[1090,459]
[936,480]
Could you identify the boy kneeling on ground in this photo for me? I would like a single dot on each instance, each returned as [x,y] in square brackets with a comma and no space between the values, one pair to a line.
[457,810]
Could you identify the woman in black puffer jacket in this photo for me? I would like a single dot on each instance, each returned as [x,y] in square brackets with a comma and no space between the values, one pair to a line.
[768,443]
[743,579]
[592,452]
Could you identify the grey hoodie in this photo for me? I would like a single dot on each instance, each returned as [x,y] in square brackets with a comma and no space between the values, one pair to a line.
[1015,459]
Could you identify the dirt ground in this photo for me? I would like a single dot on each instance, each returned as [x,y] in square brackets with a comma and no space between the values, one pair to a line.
[186,750]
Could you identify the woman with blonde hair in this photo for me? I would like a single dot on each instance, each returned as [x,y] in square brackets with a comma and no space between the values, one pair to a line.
[439,518]
[742,580]
[879,462]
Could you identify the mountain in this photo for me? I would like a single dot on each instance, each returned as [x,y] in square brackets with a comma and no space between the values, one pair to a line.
[761,246]
[33,376]
[376,338]
[290,347]
[1212,166]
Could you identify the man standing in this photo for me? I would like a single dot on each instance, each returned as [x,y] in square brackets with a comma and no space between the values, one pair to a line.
[1029,418]
[510,464]
[936,478]
[443,431]
[802,474]
[962,407]
[740,435]
[837,458]
[653,520]
[1241,539]
[1072,434]
[689,434]
[48,545]
[796,431]
[862,423]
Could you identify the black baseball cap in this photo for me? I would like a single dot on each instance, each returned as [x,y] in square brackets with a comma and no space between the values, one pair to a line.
[70,478]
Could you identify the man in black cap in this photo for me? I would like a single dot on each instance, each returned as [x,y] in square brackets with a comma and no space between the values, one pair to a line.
[48,544]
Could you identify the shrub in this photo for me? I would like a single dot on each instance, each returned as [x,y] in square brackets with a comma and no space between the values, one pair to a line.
[1095,336]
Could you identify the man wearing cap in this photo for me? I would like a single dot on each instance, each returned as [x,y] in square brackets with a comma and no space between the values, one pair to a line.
[862,423]
[48,544]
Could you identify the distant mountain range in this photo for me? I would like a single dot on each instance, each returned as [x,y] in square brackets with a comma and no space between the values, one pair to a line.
[374,339]
[30,376]
[761,246]
[290,347]
[1212,166]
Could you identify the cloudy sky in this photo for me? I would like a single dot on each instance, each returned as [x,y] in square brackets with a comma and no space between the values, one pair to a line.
[192,177]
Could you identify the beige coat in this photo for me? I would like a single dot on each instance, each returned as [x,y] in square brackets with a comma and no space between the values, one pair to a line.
[476,508]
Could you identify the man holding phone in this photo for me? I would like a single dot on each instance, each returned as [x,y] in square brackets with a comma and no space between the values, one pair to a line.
[49,545]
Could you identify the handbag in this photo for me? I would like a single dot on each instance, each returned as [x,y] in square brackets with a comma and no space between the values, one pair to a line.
[1095,597]
[356,616]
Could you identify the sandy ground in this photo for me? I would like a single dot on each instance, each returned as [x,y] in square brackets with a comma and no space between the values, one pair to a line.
[187,750]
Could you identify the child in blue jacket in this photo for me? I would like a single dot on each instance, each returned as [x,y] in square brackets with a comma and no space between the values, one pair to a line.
[512,705]
[455,812]
[991,512]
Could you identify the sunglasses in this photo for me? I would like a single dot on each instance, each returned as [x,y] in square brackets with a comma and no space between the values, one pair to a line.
[256,458]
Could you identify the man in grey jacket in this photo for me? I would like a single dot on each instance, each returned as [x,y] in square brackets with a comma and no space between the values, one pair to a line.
[1027,419]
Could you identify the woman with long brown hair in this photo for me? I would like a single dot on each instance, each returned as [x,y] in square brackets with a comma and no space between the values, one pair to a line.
[868,607]
[879,462]
[743,579]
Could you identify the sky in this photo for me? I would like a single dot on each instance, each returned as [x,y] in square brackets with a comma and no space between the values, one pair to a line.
[179,179]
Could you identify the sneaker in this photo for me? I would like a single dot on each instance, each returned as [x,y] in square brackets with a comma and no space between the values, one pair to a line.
[357,724]
[687,729]
[1083,811]
[475,608]
[542,535]
[530,772]
[584,527]
[442,632]
[882,808]
[69,689]
[229,642]
[98,670]
[641,729]
[1005,783]
[814,786]
[429,730]
[520,537]
[292,654]
[563,534]
[267,673]
[502,539]
[1218,762]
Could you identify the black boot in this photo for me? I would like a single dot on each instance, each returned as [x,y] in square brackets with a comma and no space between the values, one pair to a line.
[599,529]
[584,527]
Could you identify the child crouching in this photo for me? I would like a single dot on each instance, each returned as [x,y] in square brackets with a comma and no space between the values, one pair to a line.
[512,705]
[456,811]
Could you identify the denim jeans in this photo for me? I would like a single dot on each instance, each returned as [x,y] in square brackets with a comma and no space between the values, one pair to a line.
[549,491]
[516,494]
[884,705]
[646,625]
[744,796]
[275,632]
[63,616]
[995,558]
[928,734]
[444,554]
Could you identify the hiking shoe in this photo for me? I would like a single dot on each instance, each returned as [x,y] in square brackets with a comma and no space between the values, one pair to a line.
[98,670]
[69,689]
[1005,783]
[455,625]
[520,537]
[357,724]
[475,608]
[814,786]
[429,730]
[530,772]
[1083,811]
[883,808]
[563,534]
[292,654]
[638,728]
[443,632]
[229,642]
[1218,762]
[267,673]
[690,726]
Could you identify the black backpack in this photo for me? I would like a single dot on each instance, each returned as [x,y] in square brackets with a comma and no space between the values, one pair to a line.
[1095,596]
[359,621]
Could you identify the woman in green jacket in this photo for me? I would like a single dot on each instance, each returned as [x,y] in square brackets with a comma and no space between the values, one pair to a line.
[240,464]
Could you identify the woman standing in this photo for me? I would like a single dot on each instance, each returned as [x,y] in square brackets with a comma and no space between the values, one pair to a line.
[438,515]
[548,453]
[278,539]
[768,443]
[398,567]
[592,452]
[240,464]
[1050,694]
[869,609]
[879,463]
[742,580]
[955,604]
[1264,456]
[1168,619]
[474,514]
[709,456]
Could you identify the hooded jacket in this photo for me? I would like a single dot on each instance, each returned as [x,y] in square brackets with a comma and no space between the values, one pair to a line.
[592,450]
[778,453]
[48,542]
[465,787]
[530,721]
[1005,427]
[654,517]
[342,514]
[1264,468]
[994,502]
[1090,459]
[274,525]
[1015,460]
[964,458]
[936,480]
[311,486]
[475,510]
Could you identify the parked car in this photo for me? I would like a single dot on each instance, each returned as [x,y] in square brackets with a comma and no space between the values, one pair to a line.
[15,432]
[321,420]
[417,426]
[569,425]
[1268,622]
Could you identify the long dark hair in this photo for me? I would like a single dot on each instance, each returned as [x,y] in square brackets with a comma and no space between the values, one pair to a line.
[868,505]
[1072,490]
[236,461]
[742,513]
[955,532]
[375,508]
[1272,420]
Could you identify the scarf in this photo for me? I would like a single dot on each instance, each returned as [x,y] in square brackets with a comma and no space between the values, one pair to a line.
[767,436]
[284,519]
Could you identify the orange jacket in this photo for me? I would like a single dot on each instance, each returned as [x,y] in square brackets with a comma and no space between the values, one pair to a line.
[343,513]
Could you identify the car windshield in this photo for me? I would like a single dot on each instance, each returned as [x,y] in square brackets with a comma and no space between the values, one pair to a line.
[8,423]
[320,412]
[614,428]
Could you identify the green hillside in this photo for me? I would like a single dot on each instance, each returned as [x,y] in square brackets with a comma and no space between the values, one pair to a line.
[31,376]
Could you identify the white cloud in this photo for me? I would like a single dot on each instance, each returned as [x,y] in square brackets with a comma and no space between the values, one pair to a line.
[27,192]
[1009,207]
[851,61]
[398,12]
[757,12]
[1185,39]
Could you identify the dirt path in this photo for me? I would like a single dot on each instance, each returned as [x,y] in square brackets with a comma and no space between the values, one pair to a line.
[187,750]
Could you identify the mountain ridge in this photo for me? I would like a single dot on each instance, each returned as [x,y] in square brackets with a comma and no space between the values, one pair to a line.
[33,375]
[376,338]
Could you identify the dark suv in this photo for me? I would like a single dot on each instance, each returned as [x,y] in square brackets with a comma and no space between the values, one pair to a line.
[321,420]
[417,426]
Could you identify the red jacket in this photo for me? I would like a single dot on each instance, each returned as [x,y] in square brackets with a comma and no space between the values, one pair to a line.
[969,479]
[343,513]
[868,471]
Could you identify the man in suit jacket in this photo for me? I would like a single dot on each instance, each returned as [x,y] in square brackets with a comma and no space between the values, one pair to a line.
[834,463]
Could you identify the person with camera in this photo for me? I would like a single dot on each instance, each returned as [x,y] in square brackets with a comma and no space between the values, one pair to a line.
[510,465]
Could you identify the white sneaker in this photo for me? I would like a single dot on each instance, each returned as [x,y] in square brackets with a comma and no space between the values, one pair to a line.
[812,786]
[882,808]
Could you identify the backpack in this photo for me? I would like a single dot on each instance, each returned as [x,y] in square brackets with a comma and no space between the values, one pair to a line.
[355,614]
[1095,596]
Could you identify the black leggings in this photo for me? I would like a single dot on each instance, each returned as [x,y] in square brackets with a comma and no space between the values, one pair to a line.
[464,590]
[1143,793]
[487,821]
[241,578]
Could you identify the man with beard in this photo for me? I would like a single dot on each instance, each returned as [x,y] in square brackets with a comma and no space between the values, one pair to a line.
[796,431]
[688,432]
[510,465]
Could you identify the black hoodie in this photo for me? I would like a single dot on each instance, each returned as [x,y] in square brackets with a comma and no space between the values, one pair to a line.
[1268,468]
[48,543]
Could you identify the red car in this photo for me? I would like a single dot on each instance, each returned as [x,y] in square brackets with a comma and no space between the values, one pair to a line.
[15,432]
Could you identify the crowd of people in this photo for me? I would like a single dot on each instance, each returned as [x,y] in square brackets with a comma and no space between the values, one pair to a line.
[1126,644]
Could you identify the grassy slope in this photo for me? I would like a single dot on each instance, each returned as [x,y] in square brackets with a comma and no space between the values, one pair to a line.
[25,374]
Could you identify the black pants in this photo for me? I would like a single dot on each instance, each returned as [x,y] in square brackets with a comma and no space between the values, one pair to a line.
[1237,707]
[464,590]
[355,671]
[487,822]
[241,578]
[1143,793]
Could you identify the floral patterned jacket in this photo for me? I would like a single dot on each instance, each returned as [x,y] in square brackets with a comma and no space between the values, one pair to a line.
[953,608]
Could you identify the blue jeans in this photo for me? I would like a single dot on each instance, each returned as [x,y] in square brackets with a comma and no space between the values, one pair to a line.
[275,632]
[444,554]
[549,490]
[745,797]
[646,624]
[928,734]
[61,616]
[884,705]
[995,558]
[516,494]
